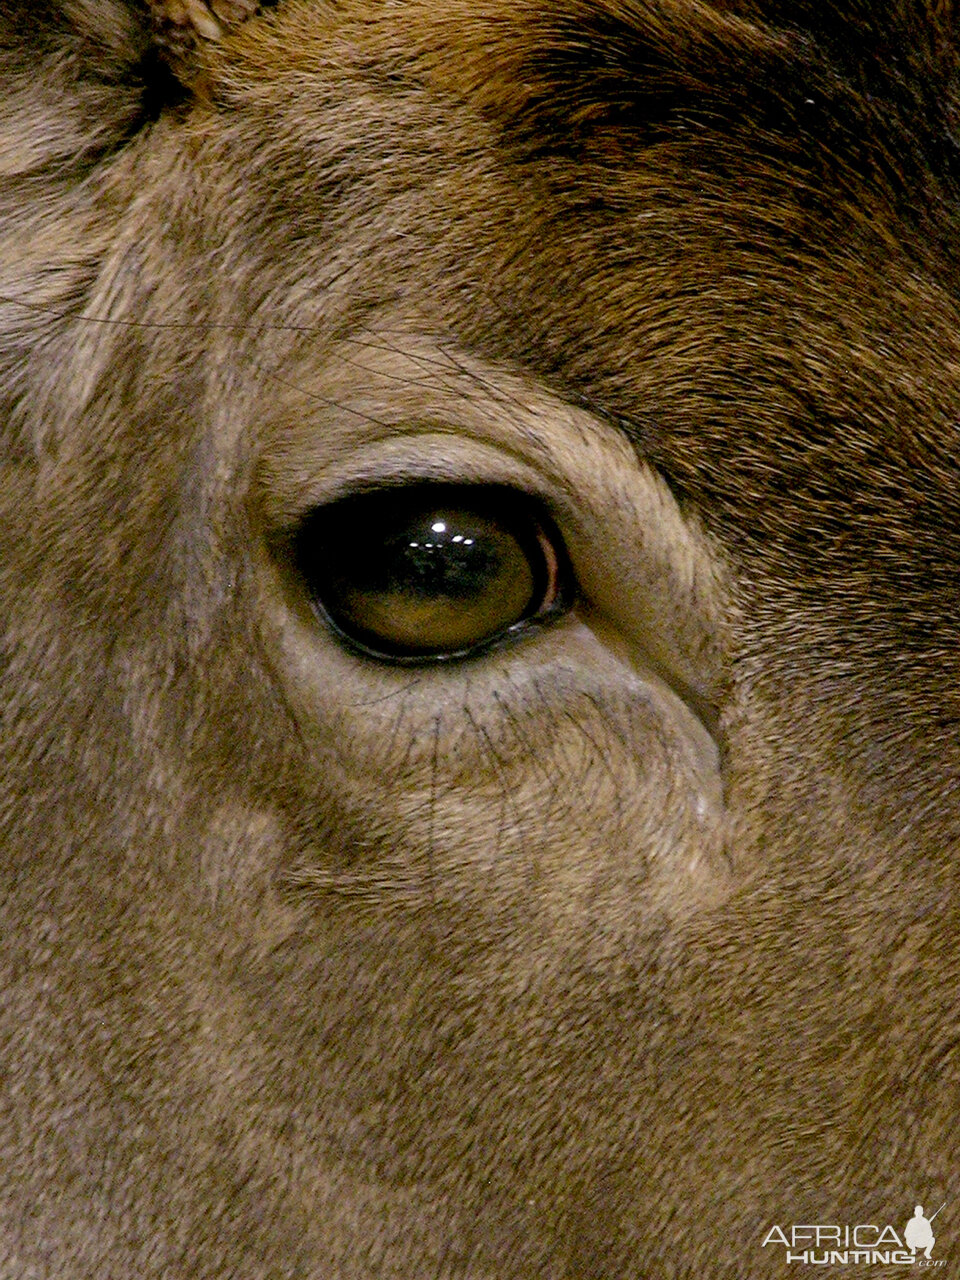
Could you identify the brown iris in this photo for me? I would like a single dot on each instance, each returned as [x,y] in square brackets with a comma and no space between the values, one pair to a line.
[426,572]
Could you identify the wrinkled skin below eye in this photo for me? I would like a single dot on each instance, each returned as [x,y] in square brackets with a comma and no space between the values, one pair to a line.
[431,572]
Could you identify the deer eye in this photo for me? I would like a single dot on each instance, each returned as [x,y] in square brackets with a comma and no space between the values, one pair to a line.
[430,572]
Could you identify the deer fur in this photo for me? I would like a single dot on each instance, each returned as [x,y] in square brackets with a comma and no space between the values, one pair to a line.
[596,955]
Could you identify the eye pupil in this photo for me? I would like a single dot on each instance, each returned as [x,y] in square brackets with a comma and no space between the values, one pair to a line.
[441,562]
[431,572]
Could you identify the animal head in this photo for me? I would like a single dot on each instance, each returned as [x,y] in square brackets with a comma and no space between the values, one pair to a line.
[480,541]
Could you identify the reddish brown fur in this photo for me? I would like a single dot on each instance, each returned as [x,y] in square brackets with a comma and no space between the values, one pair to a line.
[316,969]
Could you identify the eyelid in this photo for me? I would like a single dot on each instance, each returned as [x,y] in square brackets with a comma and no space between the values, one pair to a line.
[289,487]
[527,627]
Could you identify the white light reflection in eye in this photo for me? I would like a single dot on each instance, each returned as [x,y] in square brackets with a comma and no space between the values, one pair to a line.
[439,527]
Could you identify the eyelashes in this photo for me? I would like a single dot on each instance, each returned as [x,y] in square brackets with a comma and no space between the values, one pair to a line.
[433,572]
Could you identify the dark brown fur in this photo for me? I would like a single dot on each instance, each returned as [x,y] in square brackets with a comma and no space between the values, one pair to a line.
[312,968]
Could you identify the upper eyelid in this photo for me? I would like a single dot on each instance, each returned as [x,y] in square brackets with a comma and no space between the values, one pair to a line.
[424,455]
[412,395]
